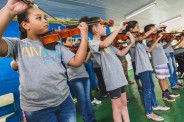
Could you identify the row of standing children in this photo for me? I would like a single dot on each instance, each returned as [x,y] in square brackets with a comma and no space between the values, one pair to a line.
[160,62]
[143,68]
[44,92]
[79,82]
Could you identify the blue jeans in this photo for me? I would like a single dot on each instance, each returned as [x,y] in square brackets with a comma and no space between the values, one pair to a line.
[89,69]
[81,88]
[172,69]
[148,91]
[65,112]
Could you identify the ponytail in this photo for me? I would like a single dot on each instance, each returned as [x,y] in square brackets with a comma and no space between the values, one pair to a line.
[22,17]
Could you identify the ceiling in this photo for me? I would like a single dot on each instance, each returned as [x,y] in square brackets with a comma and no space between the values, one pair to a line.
[116,10]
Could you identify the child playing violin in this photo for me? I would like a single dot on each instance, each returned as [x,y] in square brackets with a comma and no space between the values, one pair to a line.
[169,52]
[160,61]
[44,93]
[105,55]
[79,82]
[144,71]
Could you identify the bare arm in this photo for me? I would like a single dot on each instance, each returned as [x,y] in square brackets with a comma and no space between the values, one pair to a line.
[87,58]
[108,41]
[80,56]
[7,13]
[6,17]
[125,50]
[155,43]
[149,32]
[174,46]
[166,45]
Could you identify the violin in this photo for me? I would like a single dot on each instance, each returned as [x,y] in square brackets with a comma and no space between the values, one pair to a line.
[153,36]
[119,45]
[178,38]
[121,36]
[72,48]
[70,31]
[166,36]
[58,35]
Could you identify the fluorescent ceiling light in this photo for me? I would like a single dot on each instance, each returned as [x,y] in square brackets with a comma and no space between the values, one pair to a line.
[172,19]
[140,10]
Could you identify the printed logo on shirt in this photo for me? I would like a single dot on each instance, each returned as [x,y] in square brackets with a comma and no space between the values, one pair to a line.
[106,50]
[48,55]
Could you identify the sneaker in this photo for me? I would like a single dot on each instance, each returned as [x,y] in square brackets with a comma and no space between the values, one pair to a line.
[105,96]
[174,95]
[94,120]
[180,84]
[166,97]
[95,101]
[155,117]
[177,87]
[161,108]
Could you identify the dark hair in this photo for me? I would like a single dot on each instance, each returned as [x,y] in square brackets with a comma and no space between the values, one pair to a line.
[86,19]
[148,27]
[64,40]
[22,17]
[131,24]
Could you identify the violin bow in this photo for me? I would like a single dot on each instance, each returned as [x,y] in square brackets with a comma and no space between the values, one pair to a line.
[35,6]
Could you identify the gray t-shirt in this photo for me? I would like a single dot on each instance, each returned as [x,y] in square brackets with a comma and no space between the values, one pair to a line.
[158,55]
[132,51]
[169,49]
[77,72]
[142,61]
[111,66]
[43,82]
[122,58]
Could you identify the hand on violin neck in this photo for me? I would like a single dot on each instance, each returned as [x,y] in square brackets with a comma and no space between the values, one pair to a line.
[132,39]
[83,30]
[160,34]
[123,25]
[160,37]
[160,27]
[17,6]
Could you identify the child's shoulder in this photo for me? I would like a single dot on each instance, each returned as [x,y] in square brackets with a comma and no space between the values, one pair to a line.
[11,38]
